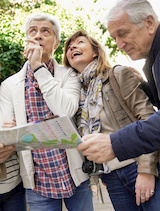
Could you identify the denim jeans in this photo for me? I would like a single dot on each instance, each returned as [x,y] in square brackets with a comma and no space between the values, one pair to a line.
[15,200]
[80,201]
[121,188]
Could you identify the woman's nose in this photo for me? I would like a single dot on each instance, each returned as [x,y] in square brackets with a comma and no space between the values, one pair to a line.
[73,47]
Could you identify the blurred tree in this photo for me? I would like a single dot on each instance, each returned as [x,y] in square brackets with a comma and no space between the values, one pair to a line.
[5,6]
[11,57]
[10,6]
[110,43]
[13,17]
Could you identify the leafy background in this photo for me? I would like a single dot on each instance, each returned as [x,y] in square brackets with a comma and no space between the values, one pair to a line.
[72,14]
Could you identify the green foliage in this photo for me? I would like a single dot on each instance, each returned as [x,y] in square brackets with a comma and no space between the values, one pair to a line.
[11,46]
[11,57]
[111,44]
[13,17]
[10,7]
[102,27]
[5,6]
[58,55]
[12,38]
[49,2]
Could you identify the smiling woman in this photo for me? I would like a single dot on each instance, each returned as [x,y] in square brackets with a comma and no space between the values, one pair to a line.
[80,53]
[88,49]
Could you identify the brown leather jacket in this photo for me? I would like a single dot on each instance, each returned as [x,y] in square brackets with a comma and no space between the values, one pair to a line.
[113,117]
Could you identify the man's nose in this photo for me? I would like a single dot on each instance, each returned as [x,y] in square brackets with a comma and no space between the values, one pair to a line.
[38,36]
[120,43]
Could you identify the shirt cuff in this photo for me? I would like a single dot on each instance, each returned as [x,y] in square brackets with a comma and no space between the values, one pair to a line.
[43,65]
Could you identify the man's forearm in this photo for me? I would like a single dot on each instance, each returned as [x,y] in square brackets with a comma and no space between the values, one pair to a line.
[138,138]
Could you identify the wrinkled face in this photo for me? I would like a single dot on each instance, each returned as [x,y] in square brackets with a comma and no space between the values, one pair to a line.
[80,53]
[135,41]
[42,31]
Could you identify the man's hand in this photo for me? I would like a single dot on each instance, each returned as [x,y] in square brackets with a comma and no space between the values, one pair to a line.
[97,147]
[138,74]
[5,152]
[33,52]
[9,124]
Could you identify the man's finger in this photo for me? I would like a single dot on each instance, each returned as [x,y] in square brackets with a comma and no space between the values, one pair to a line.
[1,145]
[7,148]
[35,42]
[86,137]
[4,156]
[83,146]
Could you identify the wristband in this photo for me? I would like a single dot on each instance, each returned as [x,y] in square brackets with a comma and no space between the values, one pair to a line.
[39,68]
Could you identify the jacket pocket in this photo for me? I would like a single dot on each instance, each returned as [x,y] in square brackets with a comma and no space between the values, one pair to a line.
[117,110]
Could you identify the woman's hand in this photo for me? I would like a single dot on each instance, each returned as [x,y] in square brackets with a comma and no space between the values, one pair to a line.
[144,187]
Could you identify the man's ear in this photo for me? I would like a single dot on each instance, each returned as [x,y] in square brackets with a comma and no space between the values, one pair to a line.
[57,44]
[151,24]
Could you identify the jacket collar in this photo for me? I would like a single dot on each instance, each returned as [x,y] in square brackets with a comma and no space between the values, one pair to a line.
[57,69]
[21,75]
[105,76]
[153,52]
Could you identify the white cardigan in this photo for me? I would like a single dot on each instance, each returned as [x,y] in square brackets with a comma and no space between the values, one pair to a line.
[61,94]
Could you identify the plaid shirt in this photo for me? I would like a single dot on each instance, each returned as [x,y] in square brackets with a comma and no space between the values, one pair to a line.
[52,175]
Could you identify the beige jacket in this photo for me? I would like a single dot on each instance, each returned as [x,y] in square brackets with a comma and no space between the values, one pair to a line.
[64,89]
[139,105]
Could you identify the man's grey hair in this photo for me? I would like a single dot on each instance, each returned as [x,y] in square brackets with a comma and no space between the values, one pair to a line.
[46,17]
[137,10]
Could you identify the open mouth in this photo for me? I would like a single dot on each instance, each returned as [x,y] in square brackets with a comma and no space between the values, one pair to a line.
[76,53]
[41,45]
